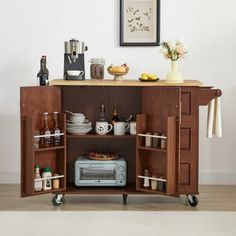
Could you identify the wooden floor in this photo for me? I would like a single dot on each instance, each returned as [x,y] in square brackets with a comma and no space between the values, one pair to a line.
[211,198]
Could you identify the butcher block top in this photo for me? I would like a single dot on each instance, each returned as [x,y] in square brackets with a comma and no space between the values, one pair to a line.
[105,82]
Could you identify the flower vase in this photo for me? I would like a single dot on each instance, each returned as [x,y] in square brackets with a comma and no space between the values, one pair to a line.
[174,76]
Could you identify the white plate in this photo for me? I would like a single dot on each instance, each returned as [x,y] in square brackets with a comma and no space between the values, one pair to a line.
[86,121]
[70,125]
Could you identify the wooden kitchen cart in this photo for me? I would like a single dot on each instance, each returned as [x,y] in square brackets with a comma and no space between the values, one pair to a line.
[172,109]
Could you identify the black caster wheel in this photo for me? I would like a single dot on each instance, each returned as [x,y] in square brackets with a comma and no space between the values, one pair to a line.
[57,200]
[125,196]
[192,200]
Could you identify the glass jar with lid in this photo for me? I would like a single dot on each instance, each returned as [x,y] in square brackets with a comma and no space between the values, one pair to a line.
[97,68]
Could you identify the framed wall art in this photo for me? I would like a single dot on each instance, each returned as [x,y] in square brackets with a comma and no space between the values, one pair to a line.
[139,22]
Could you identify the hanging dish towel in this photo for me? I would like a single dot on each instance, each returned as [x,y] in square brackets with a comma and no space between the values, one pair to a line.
[214,122]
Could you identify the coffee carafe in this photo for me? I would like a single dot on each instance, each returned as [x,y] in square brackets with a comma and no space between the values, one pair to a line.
[74,60]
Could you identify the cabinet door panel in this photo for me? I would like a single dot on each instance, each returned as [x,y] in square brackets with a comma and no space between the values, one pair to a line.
[33,102]
[161,106]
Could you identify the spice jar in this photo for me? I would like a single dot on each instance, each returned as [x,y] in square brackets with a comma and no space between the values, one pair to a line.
[55,182]
[148,140]
[163,142]
[154,183]
[155,140]
[161,184]
[146,182]
[97,68]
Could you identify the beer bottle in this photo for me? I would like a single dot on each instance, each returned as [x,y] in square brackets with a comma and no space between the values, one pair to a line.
[56,129]
[43,75]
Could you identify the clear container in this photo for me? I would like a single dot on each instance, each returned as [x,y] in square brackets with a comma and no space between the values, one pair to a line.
[97,68]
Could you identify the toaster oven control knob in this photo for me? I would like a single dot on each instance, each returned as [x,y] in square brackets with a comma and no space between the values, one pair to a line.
[121,169]
[121,177]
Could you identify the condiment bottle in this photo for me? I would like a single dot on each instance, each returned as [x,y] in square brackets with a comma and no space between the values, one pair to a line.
[55,182]
[47,183]
[56,129]
[38,185]
[146,182]
[115,117]
[43,74]
[46,141]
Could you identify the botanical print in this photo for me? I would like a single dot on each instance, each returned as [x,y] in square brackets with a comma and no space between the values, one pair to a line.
[139,20]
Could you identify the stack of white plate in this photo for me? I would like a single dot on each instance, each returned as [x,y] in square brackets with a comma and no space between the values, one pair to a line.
[78,124]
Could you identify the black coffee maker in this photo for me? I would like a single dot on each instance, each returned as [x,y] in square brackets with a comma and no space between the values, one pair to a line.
[74,60]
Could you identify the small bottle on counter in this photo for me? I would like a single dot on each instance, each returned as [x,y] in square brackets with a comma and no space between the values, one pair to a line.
[146,182]
[148,140]
[56,129]
[55,182]
[38,185]
[43,75]
[47,183]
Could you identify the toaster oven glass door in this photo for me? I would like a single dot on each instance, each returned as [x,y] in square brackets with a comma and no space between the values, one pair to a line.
[96,174]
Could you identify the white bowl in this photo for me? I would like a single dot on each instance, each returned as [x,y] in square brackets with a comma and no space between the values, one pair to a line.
[77,119]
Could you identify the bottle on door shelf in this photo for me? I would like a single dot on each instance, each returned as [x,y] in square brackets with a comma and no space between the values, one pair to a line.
[46,141]
[47,183]
[38,185]
[43,75]
[148,140]
[56,129]
[163,142]
[115,117]
[146,182]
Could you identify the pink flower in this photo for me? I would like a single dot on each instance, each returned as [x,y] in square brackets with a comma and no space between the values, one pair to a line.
[180,49]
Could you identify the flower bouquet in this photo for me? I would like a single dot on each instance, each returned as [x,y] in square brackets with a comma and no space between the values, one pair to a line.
[173,52]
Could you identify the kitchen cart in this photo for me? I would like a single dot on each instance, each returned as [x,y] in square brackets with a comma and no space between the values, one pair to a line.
[172,109]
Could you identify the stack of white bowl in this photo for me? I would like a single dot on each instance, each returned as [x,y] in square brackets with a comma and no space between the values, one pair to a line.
[78,124]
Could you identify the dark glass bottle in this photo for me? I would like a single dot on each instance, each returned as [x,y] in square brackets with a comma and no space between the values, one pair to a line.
[115,117]
[43,74]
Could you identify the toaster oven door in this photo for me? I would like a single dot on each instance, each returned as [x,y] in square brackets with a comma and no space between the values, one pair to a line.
[97,174]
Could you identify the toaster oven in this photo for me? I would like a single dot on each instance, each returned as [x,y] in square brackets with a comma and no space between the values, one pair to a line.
[100,172]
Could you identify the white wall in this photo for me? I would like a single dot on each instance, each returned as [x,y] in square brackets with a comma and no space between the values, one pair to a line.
[31,28]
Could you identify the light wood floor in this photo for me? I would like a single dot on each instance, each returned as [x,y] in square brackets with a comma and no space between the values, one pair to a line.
[211,198]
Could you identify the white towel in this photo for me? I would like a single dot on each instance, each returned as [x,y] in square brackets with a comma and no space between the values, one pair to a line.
[214,122]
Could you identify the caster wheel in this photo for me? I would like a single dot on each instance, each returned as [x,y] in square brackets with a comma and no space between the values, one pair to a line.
[192,200]
[57,200]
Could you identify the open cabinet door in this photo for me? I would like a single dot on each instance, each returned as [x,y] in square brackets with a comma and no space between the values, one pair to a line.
[160,116]
[34,101]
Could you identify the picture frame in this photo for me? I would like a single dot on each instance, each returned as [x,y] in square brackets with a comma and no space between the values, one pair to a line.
[139,22]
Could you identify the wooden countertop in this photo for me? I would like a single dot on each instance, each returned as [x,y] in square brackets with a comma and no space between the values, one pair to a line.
[105,82]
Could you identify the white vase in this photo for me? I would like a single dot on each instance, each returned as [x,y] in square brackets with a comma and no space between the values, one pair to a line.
[174,76]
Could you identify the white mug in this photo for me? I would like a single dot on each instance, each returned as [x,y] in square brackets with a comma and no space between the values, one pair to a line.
[120,128]
[102,127]
[133,127]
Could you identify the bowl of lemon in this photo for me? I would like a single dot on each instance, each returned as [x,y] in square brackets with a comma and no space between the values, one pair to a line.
[148,77]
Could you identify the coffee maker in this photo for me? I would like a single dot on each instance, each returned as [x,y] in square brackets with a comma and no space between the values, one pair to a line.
[74,60]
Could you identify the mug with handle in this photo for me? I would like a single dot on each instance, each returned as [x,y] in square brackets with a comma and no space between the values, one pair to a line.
[102,127]
[120,128]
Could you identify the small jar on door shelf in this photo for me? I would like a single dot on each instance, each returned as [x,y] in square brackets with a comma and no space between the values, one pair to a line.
[56,182]
[146,182]
[47,182]
[148,140]
[163,141]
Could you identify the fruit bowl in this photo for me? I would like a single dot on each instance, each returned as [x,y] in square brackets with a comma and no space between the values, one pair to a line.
[148,80]
[118,71]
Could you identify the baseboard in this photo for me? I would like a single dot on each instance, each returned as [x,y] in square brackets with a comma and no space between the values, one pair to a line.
[13,177]
[217,178]
[9,177]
